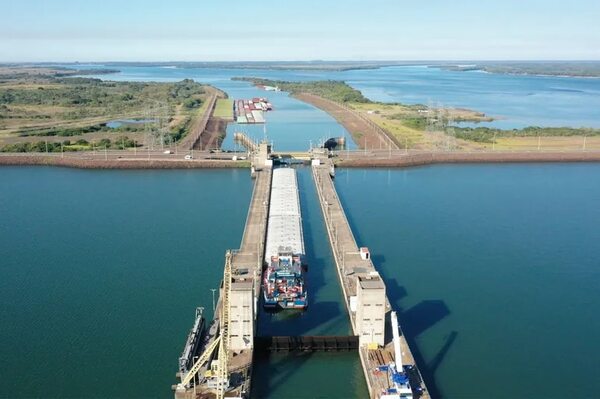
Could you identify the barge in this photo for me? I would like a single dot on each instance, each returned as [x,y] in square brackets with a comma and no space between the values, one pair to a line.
[251,111]
[283,277]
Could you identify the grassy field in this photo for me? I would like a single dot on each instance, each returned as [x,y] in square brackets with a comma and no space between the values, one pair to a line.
[421,127]
[416,126]
[547,143]
[224,109]
[36,105]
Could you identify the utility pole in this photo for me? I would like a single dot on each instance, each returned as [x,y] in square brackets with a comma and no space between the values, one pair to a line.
[105,153]
[584,142]
[539,142]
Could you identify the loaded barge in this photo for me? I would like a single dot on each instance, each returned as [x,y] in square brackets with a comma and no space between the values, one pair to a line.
[283,279]
[251,111]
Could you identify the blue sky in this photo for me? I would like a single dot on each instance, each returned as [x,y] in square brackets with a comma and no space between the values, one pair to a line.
[201,30]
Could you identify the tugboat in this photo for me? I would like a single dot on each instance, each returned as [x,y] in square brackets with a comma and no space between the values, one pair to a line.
[283,285]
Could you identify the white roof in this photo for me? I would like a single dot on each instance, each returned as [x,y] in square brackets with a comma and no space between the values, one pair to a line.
[285,220]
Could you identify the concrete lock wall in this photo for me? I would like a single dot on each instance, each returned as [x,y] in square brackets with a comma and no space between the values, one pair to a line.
[370,311]
[241,327]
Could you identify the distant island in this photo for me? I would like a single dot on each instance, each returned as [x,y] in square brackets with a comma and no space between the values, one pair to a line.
[268,65]
[32,71]
[545,68]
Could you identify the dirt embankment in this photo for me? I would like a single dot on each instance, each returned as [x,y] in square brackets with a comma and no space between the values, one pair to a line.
[213,134]
[28,160]
[365,133]
[468,157]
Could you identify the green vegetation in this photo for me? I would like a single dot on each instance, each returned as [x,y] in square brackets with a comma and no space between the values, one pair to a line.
[334,90]
[119,143]
[488,135]
[40,102]
[417,125]
[413,122]
[12,72]
[550,68]
[224,109]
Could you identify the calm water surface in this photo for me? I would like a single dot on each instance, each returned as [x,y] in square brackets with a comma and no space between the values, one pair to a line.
[101,271]
[495,270]
[517,101]
[494,267]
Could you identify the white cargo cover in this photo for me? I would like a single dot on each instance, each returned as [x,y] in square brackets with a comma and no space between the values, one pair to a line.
[284,229]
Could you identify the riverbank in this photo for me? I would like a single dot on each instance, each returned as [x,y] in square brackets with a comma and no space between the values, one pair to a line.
[365,133]
[116,163]
[353,159]
[377,125]
[380,159]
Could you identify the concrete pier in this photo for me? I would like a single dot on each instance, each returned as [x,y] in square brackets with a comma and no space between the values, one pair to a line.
[364,290]
[237,307]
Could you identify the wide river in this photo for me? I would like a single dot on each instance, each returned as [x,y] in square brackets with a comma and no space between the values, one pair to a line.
[516,101]
[494,268]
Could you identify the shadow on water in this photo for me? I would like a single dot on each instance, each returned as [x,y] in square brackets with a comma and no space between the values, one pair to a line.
[414,322]
[275,370]
[300,322]
[439,357]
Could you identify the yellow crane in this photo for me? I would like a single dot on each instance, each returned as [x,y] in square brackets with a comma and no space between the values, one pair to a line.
[201,360]
[222,372]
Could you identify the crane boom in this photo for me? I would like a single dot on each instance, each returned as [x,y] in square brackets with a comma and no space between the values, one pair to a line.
[203,359]
[222,375]
[397,350]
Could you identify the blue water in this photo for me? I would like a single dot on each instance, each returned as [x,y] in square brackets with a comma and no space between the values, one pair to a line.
[124,122]
[495,270]
[493,267]
[517,101]
[292,125]
[100,273]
